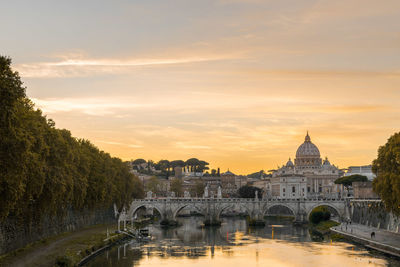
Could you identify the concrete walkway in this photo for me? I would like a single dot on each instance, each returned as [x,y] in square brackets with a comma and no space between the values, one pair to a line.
[385,241]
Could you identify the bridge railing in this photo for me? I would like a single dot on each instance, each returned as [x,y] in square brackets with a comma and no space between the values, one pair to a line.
[236,200]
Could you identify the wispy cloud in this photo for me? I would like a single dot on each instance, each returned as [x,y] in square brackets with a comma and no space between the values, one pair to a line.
[78,67]
[89,106]
[119,144]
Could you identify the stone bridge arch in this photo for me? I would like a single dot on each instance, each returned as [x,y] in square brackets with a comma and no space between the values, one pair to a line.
[272,205]
[193,206]
[340,211]
[135,208]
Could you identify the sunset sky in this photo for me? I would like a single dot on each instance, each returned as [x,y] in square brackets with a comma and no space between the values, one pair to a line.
[234,82]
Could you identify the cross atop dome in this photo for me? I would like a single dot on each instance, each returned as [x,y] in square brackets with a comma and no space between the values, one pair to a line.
[307,139]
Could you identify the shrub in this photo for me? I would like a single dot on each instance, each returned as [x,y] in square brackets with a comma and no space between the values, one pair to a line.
[320,214]
[63,261]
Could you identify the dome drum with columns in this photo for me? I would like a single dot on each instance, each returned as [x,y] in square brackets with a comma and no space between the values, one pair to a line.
[307,155]
[307,167]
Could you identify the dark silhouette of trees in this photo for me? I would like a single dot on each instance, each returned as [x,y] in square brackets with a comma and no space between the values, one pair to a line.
[44,169]
[347,181]
[387,170]
[249,191]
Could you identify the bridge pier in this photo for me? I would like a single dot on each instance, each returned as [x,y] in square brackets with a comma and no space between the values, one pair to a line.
[256,214]
[167,217]
[211,215]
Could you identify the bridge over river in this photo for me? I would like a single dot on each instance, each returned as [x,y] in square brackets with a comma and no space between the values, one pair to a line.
[212,208]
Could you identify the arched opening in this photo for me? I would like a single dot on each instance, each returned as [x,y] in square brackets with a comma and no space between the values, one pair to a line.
[187,211]
[323,212]
[280,210]
[229,211]
[146,212]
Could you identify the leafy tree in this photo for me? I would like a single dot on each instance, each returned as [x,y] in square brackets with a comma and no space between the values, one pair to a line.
[248,191]
[138,161]
[347,181]
[164,166]
[202,166]
[198,189]
[44,170]
[153,185]
[320,214]
[177,186]
[387,170]
[192,163]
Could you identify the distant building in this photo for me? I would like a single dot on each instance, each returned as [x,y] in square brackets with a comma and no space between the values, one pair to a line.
[363,190]
[228,184]
[365,170]
[287,186]
[308,168]
[178,172]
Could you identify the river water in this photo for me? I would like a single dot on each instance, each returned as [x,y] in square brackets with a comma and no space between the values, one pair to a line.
[279,243]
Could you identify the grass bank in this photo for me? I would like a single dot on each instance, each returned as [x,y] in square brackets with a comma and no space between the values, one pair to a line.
[67,248]
[321,231]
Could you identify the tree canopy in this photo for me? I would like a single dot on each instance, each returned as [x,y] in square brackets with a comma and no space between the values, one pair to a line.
[44,169]
[387,169]
[348,180]
[249,191]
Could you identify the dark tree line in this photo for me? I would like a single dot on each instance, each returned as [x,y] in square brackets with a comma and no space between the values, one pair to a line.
[44,169]
[167,167]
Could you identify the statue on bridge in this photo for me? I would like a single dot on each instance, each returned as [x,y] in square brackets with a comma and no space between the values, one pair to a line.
[149,194]
[186,194]
[205,195]
[219,195]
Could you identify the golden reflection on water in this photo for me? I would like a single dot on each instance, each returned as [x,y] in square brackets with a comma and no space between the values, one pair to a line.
[271,253]
[234,244]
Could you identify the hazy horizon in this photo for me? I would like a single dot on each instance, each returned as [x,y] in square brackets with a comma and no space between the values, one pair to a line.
[236,83]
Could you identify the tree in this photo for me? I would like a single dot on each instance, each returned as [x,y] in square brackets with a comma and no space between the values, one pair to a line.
[347,181]
[164,166]
[202,166]
[138,161]
[150,163]
[153,185]
[248,191]
[192,163]
[177,186]
[198,189]
[45,170]
[387,169]
[320,214]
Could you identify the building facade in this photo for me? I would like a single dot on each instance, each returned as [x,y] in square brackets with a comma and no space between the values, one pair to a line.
[308,173]
[365,170]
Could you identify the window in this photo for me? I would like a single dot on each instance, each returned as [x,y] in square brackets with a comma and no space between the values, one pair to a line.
[283,190]
[303,191]
[293,189]
[308,189]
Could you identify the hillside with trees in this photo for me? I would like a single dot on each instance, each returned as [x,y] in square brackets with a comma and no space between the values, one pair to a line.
[45,170]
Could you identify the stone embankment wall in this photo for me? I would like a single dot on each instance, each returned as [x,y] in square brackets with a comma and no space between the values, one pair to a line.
[14,233]
[373,214]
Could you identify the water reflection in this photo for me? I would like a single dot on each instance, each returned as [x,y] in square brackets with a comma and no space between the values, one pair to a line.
[234,244]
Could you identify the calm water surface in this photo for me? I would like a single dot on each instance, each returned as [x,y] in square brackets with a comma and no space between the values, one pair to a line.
[234,244]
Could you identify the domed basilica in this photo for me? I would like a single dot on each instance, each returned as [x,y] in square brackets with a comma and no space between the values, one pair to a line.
[307,177]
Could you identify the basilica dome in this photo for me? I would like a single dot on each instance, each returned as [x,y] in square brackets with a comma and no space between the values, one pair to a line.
[307,149]
[307,155]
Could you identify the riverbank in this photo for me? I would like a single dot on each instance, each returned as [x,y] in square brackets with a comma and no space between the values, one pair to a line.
[383,241]
[67,245]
